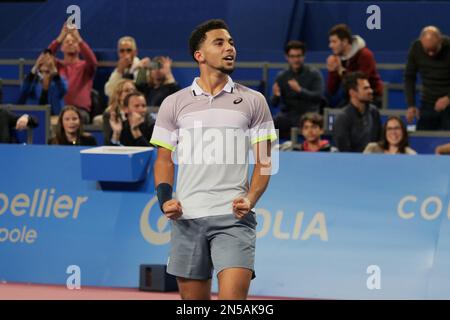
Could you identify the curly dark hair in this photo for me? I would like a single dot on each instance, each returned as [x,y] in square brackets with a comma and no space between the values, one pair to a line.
[198,36]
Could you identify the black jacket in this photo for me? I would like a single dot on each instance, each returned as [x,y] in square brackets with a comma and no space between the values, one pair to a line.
[434,72]
[8,122]
[352,131]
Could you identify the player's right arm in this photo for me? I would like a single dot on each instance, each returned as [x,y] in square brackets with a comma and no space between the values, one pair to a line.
[164,171]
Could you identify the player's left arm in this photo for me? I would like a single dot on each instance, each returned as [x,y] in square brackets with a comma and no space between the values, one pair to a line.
[260,179]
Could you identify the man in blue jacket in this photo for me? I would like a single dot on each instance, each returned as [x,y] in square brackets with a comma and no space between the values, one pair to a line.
[43,85]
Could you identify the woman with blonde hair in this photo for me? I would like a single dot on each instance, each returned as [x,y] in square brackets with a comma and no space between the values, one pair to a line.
[123,88]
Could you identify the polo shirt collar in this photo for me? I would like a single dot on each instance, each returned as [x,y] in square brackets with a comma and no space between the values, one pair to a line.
[197,91]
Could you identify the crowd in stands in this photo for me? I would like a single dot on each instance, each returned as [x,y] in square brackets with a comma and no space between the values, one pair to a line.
[299,92]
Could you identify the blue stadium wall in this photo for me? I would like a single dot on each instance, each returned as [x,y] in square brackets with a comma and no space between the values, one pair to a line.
[260,27]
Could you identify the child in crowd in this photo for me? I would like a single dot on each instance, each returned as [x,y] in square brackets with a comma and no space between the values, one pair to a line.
[70,129]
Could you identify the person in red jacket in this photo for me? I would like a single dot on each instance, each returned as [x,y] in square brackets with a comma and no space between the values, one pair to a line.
[79,73]
[350,54]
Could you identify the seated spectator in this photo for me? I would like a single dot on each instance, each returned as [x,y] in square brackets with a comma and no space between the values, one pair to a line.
[298,89]
[10,122]
[443,149]
[394,139]
[137,129]
[429,56]
[159,83]
[79,73]
[43,85]
[311,125]
[70,129]
[123,88]
[128,65]
[359,122]
[350,54]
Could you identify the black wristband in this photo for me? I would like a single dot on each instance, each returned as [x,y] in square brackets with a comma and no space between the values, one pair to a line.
[164,193]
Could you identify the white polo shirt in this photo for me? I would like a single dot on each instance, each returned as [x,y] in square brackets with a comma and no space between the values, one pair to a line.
[211,137]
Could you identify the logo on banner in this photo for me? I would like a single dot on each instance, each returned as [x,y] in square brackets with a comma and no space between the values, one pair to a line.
[430,208]
[158,236]
[41,205]
[303,228]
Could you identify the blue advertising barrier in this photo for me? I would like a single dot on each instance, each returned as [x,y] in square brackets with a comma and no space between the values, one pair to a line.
[329,225]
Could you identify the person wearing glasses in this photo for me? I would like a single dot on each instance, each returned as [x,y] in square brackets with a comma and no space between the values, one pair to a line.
[394,139]
[43,85]
[297,90]
[128,65]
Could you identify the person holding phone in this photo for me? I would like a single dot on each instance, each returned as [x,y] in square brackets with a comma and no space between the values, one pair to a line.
[159,83]
[43,85]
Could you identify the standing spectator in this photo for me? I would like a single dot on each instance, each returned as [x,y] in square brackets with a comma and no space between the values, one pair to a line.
[430,57]
[128,65]
[311,125]
[79,73]
[394,139]
[43,85]
[159,83]
[10,122]
[350,54]
[70,129]
[137,129]
[299,89]
[359,122]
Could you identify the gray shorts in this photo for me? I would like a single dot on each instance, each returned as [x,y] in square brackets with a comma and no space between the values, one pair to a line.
[219,242]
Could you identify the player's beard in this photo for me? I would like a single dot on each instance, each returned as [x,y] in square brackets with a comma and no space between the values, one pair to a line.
[227,71]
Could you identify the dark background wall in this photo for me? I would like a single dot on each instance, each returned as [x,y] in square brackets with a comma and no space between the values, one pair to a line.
[260,27]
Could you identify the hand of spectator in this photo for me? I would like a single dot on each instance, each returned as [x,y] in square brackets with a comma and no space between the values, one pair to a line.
[172,209]
[144,63]
[276,89]
[22,122]
[76,34]
[333,63]
[295,85]
[412,113]
[166,65]
[135,119]
[52,65]
[241,207]
[39,61]
[123,63]
[63,33]
[442,103]
[116,125]
[443,149]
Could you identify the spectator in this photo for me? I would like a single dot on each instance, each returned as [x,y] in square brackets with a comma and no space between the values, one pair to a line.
[128,65]
[122,89]
[299,89]
[359,122]
[394,139]
[137,129]
[79,73]
[43,85]
[10,122]
[430,57]
[70,129]
[311,125]
[159,83]
[350,54]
